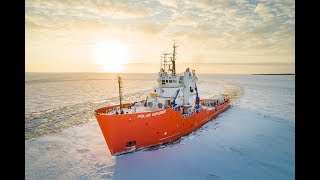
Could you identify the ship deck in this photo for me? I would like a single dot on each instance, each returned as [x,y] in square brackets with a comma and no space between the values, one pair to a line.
[137,108]
[140,108]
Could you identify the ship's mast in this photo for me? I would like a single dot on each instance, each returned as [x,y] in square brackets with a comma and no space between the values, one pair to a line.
[167,63]
[174,59]
[120,91]
[165,60]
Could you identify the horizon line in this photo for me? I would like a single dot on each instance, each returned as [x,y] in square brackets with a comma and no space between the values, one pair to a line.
[157,73]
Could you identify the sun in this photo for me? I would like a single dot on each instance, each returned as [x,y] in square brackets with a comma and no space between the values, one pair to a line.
[111,55]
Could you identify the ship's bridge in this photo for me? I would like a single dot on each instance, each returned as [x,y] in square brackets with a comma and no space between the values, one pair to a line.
[176,80]
[170,81]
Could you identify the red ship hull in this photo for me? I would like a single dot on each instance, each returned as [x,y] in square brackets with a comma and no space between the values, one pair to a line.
[128,132]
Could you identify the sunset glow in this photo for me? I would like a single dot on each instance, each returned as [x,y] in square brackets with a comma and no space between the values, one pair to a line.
[111,55]
[237,36]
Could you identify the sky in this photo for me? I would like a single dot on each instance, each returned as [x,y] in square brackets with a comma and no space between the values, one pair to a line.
[214,36]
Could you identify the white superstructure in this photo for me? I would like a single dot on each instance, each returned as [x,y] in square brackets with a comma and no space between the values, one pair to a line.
[174,90]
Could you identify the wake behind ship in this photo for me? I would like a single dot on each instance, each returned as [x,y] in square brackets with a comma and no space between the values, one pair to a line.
[172,110]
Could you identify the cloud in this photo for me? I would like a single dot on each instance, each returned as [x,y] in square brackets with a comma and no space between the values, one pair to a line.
[201,4]
[151,28]
[29,25]
[36,22]
[109,8]
[241,24]
[264,12]
[185,19]
[121,10]
[212,28]
[83,15]
[170,3]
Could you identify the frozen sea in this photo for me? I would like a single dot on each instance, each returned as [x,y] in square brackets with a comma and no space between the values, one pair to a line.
[254,139]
